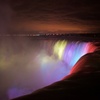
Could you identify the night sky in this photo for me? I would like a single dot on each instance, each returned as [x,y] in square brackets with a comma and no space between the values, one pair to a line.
[49,15]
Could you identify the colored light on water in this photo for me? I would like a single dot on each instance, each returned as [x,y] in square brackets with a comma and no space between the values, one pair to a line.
[54,61]
[59,48]
[64,56]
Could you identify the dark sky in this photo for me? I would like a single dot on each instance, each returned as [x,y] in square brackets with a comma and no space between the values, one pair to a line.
[50,15]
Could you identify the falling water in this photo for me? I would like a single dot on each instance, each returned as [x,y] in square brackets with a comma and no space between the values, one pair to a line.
[27,65]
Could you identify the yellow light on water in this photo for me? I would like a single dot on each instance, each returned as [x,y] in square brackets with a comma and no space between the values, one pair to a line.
[59,48]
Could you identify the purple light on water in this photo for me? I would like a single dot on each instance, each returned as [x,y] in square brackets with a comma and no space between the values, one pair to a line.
[54,66]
